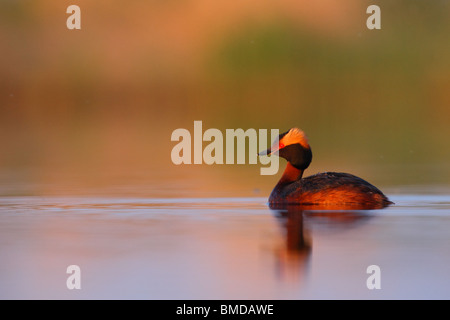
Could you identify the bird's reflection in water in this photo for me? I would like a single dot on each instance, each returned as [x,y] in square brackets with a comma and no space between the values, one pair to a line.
[293,258]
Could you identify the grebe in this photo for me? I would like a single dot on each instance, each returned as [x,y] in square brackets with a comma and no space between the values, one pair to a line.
[328,188]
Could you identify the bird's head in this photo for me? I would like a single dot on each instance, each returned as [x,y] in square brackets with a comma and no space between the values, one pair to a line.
[292,146]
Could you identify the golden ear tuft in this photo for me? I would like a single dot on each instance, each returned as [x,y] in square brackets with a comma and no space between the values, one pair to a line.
[295,135]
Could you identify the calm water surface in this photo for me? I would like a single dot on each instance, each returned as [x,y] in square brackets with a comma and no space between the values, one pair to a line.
[221,248]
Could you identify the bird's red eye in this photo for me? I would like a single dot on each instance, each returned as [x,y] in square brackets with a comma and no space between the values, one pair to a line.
[281,145]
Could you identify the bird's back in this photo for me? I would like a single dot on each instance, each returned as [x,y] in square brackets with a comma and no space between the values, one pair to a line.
[329,188]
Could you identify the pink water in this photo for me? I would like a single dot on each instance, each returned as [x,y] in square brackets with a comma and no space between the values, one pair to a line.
[221,248]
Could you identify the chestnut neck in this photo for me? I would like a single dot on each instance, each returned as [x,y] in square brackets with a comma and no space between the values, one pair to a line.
[290,174]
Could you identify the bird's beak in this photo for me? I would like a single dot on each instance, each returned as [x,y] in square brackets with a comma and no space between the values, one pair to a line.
[265,152]
[272,150]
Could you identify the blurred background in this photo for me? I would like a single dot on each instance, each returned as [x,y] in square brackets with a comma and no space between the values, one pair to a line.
[91,111]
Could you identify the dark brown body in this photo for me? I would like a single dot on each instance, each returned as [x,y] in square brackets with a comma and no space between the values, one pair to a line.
[329,188]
